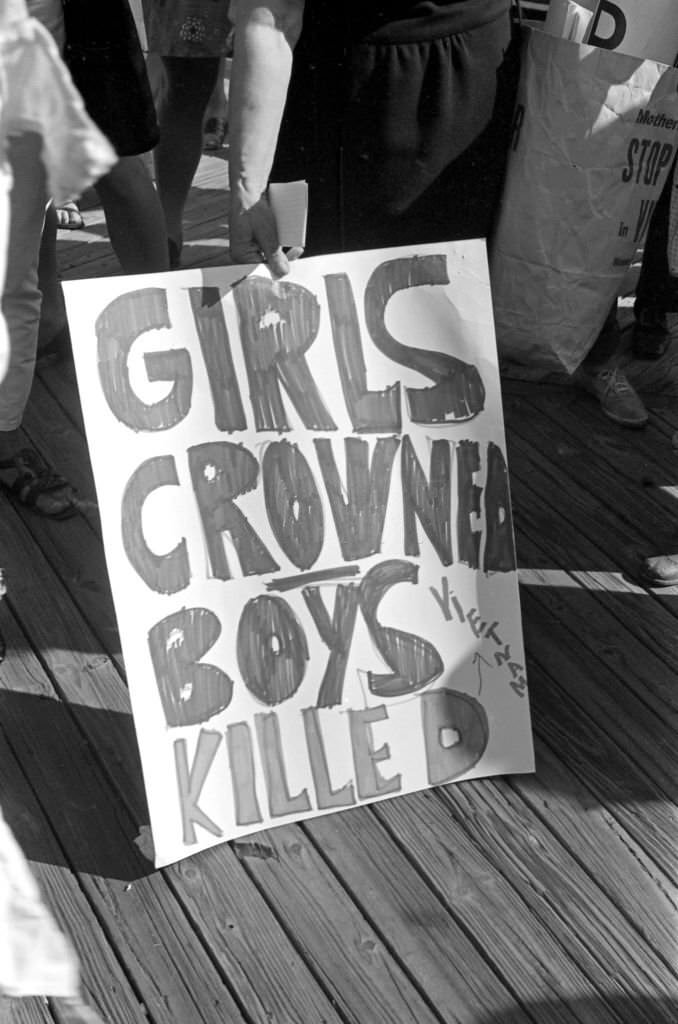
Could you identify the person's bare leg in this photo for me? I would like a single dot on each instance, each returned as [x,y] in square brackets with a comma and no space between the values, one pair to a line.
[190,82]
[136,224]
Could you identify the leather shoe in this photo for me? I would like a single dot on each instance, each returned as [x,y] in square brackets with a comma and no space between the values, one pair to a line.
[660,571]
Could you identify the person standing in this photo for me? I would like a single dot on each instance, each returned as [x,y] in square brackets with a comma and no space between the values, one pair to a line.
[397,114]
[190,37]
[51,148]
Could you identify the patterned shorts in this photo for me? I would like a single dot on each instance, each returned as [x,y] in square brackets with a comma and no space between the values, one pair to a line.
[188,28]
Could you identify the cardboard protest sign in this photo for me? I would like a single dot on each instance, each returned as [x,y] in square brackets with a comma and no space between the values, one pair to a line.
[639,28]
[304,498]
[569,20]
[594,139]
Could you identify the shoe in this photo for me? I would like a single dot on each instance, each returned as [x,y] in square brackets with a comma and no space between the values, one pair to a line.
[618,400]
[34,484]
[69,217]
[651,336]
[214,133]
[660,571]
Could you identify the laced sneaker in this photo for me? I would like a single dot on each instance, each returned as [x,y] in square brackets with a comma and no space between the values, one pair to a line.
[618,399]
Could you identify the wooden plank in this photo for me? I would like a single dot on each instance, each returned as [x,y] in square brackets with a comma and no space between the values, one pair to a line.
[58,377]
[163,957]
[71,550]
[407,914]
[560,893]
[595,687]
[601,811]
[615,616]
[536,967]
[33,1010]
[106,985]
[90,680]
[468,890]
[604,462]
[338,942]
[246,940]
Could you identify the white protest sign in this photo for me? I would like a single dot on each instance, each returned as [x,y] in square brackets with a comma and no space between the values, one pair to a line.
[594,140]
[640,28]
[304,499]
[568,20]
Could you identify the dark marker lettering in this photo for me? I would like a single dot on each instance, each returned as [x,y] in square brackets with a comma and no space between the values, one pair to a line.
[278,324]
[337,634]
[414,662]
[190,781]
[221,472]
[369,780]
[166,574]
[117,328]
[612,41]
[468,504]
[500,552]
[293,504]
[280,802]
[374,411]
[359,506]
[272,649]
[458,393]
[241,762]
[216,351]
[190,692]
[326,797]
[428,500]
[456,733]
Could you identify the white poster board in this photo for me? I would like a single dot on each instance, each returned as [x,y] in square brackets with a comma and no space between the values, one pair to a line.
[639,28]
[304,499]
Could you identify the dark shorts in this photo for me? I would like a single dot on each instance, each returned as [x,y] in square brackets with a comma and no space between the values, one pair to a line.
[107,65]
[406,143]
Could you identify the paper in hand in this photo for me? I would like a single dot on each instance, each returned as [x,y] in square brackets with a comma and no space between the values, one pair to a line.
[289,202]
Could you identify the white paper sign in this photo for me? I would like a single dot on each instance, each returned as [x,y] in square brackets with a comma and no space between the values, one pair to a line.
[639,28]
[304,497]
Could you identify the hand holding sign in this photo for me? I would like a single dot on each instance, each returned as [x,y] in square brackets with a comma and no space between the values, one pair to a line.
[272,229]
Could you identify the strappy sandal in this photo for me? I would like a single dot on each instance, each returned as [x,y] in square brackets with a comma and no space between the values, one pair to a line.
[69,217]
[37,486]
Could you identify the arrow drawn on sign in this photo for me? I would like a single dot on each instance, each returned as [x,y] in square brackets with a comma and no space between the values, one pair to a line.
[477,658]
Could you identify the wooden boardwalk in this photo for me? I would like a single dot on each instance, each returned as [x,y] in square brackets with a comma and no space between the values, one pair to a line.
[549,899]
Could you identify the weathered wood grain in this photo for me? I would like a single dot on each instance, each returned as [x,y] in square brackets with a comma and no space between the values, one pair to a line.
[410,919]
[108,988]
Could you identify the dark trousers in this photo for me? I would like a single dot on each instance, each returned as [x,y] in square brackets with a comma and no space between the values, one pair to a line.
[657,290]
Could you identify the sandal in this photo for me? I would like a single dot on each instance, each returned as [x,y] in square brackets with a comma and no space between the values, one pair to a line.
[214,133]
[69,217]
[38,487]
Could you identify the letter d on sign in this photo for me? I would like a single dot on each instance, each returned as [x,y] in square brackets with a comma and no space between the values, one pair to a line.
[447,714]
[610,42]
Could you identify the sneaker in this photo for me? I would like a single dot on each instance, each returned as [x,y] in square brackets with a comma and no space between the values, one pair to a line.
[660,571]
[651,336]
[618,400]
